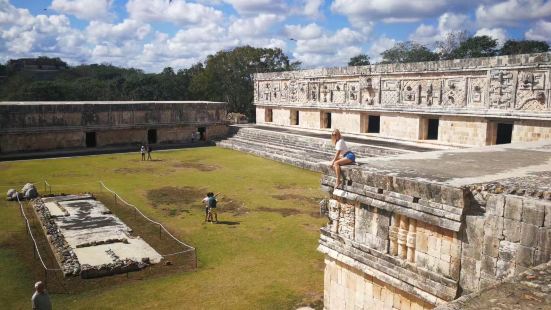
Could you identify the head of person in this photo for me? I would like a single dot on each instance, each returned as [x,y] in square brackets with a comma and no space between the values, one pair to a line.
[39,286]
[335,136]
[210,194]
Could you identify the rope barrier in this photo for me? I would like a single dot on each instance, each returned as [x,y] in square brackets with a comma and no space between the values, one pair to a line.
[150,220]
[32,237]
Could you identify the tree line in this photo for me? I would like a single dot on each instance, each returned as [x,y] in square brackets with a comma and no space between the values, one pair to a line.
[455,45]
[225,76]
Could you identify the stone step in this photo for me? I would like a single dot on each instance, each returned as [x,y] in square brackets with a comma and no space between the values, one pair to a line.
[298,162]
[309,151]
[283,150]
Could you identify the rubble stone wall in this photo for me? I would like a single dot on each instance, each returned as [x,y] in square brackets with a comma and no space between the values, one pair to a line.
[503,89]
[37,126]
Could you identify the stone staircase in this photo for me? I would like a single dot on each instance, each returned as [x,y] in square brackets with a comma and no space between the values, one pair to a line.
[294,148]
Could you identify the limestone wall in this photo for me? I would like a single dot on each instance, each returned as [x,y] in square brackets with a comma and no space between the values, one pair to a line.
[531,130]
[463,130]
[463,94]
[400,126]
[38,126]
[309,119]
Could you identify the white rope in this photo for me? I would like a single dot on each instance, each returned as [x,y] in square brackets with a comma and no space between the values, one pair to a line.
[32,236]
[152,221]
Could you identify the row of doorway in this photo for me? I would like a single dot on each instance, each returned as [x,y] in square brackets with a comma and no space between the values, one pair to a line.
[498,133]
[91,137]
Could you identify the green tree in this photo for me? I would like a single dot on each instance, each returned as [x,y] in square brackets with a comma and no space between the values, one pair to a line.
[408,52]
[478,46]
[359,60]
[512,47]
[227,75]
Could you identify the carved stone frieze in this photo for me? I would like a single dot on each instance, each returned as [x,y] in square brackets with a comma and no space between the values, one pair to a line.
[430,92]
[531,91]
[411,92]
[501,89]
[477,91]
[390,92]
[454,92]
[313,91]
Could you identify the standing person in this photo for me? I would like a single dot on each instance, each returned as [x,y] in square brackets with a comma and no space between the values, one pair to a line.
[41,299]
[149,149]
[212,207]
[142,151]
[193,137]
[343,155]
[206,202]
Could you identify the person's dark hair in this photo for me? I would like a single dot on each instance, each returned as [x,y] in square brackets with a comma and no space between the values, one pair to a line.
[210,194]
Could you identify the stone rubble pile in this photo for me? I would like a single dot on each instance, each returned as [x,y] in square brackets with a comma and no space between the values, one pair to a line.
[67,258]
[118,266]
[28,191]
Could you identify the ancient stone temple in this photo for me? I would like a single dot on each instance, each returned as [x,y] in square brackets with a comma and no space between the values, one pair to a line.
[418,230]
[415,229]
[464,102]
[39,126]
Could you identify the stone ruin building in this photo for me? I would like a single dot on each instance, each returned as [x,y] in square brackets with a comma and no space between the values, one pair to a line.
[43,126]
[419,229]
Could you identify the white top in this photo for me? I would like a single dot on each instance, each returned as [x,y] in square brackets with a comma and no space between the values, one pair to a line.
[341,146]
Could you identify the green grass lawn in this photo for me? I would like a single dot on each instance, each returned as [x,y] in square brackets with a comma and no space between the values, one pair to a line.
[266,259]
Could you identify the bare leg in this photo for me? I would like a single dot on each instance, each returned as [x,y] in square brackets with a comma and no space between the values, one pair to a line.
[337,166]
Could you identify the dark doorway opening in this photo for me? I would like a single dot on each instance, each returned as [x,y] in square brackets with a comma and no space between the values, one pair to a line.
[268,116]
[326,120]
[202,133]
[504,133]
[374,124]
[295,117]
[91,139]
[432,130]
[152,136]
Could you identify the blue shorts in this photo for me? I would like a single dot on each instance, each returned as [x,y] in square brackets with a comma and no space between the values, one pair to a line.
[350,156]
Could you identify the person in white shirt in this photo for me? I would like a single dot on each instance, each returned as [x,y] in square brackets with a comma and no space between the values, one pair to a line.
[343,156]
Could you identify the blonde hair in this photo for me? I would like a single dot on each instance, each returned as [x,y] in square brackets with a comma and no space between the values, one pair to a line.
[335,136]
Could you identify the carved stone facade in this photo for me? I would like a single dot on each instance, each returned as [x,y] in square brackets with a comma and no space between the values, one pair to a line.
[418,231]
[498,89]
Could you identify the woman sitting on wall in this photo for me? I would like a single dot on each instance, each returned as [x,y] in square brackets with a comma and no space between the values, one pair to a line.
[343,156]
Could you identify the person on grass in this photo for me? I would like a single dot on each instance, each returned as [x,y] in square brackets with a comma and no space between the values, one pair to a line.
[343,155]
[149,150]
[142,151]
[206,203]
[212,207]
[41,299]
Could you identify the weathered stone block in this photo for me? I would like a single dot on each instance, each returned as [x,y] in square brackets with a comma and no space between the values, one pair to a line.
[489,265]
[495,205]
[511,230]
[491,246]
[529,235]
[504,269]
[533,212]
[513,208]
[547,221]
[524,256]
[507,250]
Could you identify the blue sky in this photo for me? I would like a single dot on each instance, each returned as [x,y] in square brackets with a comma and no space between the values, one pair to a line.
[153,34]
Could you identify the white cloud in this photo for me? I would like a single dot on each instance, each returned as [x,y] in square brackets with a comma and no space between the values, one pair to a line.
[178,12]
[254,26]
[512,12]
[85,9]
[329,49]
[447,23]
[127,30]
[312,8]
[496,33]
[249,7]
[378,46]
[541,31]
[298,32]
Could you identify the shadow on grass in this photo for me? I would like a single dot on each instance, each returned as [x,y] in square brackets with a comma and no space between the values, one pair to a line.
[228,223]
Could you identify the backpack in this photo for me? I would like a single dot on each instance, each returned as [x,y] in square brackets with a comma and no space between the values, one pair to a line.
[212,202]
